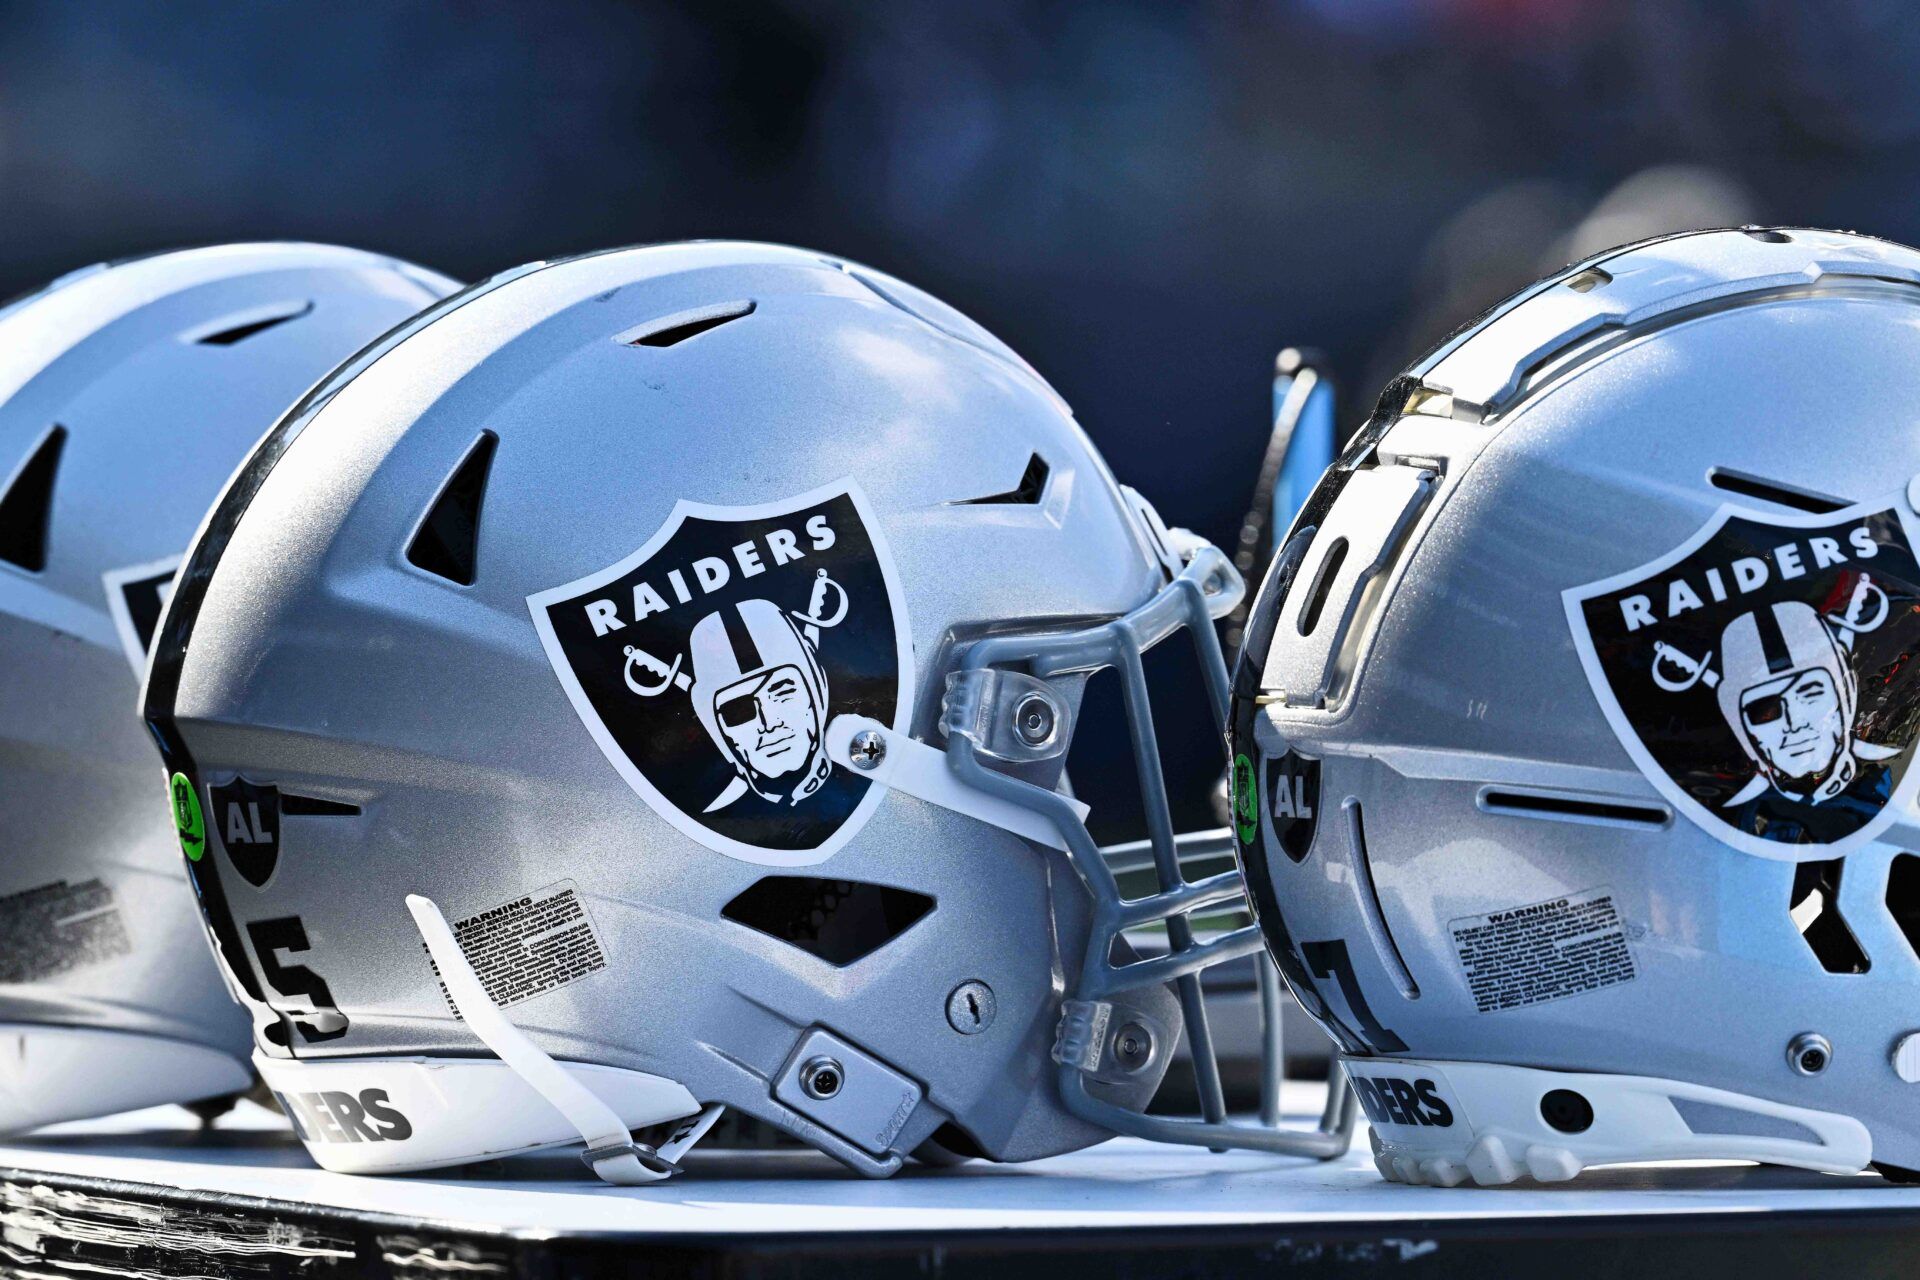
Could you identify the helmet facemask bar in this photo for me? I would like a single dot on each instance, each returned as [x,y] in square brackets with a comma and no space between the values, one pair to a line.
[1206,588]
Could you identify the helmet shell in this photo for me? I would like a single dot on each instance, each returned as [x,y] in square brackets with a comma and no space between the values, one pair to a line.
[1521,663]
[557,726]
[128,393]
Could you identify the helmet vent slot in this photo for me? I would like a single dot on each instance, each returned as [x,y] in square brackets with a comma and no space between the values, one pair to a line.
[839,921]
[677,329]
[1589,280]
[1568,807]
[237,333]
[1376,919]
[26,505]
[447,543]
[1322,586]
[1028,493]
[314,807]
[1773,491]
[1903,897]
[1815,907]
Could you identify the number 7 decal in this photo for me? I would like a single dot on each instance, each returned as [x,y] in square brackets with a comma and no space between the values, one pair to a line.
[1330,960]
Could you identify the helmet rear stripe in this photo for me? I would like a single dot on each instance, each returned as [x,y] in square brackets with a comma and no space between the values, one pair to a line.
[1772,643]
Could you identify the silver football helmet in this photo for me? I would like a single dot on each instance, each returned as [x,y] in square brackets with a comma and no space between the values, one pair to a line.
[1573,738]
[128,393]
[659,667]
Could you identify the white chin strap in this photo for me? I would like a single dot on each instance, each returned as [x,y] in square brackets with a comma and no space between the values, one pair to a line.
[611,1151]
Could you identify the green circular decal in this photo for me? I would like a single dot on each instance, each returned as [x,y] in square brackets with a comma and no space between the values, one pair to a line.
[1246,819]
[188,821]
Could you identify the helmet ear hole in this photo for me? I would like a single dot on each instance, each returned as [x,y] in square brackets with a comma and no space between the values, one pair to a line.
[1566,1111]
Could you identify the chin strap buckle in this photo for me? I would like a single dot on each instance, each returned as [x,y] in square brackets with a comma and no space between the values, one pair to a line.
[647,1157]
[611,1153]
[1082,1033]
[617,1162]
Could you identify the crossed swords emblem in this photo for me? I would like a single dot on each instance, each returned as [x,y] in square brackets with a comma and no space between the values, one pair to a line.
[1693,671]
[670,675]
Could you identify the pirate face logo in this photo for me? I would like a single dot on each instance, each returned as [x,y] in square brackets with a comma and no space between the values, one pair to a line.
[1759,674]
[708,664]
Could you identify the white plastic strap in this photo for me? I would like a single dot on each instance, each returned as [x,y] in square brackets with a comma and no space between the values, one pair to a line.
[611,1151]
[921,771]
[1165,544]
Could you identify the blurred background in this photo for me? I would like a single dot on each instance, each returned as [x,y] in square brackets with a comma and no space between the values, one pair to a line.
[1147,200]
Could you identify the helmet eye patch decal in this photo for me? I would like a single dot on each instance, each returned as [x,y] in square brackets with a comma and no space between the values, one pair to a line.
[708,664]
[1760,675]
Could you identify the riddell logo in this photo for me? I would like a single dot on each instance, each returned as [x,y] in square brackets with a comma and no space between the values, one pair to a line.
[1388,1100]
[335,1116]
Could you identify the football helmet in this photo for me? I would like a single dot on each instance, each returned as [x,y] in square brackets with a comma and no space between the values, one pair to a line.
[1573,738]
[660,666]
[129,391]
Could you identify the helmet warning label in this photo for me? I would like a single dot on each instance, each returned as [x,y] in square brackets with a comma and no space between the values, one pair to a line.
[56,927]
[1532,954]
[528,947]
[708,664]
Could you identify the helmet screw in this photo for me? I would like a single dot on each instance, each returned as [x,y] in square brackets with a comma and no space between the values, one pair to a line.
[1133,1046]
[867,749]
[970,1007]
[1809,1053]
[1033,719]
[821,1078]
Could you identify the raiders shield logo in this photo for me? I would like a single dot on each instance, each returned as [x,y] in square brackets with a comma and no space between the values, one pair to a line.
[247,819]
[1760,674]
[708,663]
[136,597]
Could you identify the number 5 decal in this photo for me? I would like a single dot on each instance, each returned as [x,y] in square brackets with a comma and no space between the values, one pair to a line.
[308,1005]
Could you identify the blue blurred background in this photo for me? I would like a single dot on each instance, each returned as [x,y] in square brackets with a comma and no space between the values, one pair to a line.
[1147,200]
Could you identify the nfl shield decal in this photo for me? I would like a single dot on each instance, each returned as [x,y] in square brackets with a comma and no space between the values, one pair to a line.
[1760,674]
[708,663]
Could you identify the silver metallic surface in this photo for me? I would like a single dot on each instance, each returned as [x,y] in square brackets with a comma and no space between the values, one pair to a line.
[162,371]
[1570,436]
[315,656]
